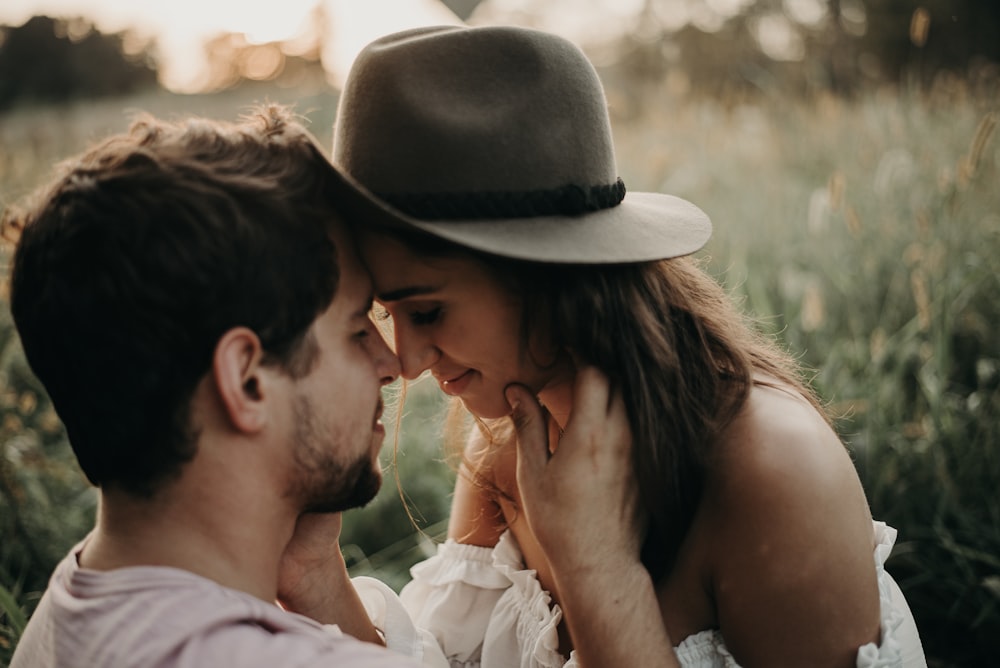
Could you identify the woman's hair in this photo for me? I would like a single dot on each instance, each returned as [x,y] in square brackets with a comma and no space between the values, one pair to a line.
[671,340]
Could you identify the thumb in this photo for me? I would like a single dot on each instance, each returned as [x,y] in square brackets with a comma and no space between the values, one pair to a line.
[532,434]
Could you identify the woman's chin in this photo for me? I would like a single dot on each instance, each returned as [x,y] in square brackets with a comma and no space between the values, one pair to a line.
[487,410]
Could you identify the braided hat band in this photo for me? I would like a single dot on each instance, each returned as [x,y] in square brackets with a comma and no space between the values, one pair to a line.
[569,200]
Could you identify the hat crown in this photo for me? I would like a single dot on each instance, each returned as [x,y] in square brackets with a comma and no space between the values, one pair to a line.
[496,139]
[472,110]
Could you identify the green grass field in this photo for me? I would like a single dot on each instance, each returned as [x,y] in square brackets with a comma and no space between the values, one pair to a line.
[865,235]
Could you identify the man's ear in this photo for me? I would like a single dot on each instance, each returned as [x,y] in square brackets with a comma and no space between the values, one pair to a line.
[237,368]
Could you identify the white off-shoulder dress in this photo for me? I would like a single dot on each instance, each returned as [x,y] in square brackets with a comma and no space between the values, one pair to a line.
[488,611]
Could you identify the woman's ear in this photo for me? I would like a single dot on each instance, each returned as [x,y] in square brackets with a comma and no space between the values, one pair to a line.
[236,366]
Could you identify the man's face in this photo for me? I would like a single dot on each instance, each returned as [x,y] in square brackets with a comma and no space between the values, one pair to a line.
[337,406]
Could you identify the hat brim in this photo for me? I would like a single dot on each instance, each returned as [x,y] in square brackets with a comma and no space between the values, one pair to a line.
[642,228]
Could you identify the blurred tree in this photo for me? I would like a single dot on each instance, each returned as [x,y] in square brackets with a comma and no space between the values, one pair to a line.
[744,46]
[920,38]
[891,41]
[233,60]
[55,60]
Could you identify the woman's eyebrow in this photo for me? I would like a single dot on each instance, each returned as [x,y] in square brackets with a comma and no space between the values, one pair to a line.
[404,293]
[366,309]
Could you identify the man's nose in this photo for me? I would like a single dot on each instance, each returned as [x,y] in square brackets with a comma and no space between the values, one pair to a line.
[386,363]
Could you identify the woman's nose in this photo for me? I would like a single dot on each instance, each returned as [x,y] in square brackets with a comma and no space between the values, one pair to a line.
[416,353]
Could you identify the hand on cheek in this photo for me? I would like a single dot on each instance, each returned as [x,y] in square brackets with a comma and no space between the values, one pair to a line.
[581,501]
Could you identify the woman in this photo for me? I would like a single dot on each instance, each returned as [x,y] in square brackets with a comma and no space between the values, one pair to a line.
[506,252]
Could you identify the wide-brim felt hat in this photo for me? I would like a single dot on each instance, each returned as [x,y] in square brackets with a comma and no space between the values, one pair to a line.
[498,139]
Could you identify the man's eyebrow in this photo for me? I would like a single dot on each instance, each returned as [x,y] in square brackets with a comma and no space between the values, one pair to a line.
[405,293]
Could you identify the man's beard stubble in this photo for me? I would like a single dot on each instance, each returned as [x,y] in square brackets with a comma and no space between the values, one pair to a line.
[323,481]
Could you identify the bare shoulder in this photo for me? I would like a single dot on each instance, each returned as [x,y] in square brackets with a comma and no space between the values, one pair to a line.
[780,443]
[791,534]
[781,460]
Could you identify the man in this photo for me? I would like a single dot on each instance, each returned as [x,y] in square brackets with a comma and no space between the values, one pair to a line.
[195,309]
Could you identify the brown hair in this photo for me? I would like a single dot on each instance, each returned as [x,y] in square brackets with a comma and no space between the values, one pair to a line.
[143,252]
[671,340]
[684,358]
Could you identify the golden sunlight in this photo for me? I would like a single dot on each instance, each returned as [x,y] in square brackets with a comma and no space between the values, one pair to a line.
[182,27]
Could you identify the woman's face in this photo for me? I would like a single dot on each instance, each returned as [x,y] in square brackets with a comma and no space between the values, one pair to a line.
[451,316]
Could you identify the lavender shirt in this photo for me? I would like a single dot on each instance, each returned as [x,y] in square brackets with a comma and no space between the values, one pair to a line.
[158,617]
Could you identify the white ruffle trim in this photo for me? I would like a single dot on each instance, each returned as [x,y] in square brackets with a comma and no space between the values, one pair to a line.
[525,612]
[458,562]
[526,608]
[390,617]
[888,653]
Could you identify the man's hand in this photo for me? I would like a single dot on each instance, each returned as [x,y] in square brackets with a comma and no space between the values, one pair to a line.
[313,579]
[581,501]
[582,504]
[312,568]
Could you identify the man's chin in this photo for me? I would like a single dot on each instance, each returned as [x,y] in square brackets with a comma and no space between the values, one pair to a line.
[365,488]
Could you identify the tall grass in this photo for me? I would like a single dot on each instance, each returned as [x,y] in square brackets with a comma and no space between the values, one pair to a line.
[864,234]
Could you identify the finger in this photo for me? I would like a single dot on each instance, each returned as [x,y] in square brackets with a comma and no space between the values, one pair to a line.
[617,419]
[319,532]
[532,434]
[599,422]
[590,400]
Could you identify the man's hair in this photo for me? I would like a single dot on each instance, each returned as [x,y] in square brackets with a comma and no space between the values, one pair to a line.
[143,252]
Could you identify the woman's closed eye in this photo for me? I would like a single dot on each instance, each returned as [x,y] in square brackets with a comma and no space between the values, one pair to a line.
[416,316]
[425,317]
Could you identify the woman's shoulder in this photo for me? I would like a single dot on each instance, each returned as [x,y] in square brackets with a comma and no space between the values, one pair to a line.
[778,431]
[787,524]
[780,460]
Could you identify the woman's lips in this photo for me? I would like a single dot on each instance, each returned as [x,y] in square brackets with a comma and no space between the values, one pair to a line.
[458,384]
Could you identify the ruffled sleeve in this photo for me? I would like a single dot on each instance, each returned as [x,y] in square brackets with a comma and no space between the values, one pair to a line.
[401,635]
[524,622]
[900,645]
[453,595]
[488,611]
[485,608]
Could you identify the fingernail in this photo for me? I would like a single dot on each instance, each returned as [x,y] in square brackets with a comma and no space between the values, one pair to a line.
[511,396]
